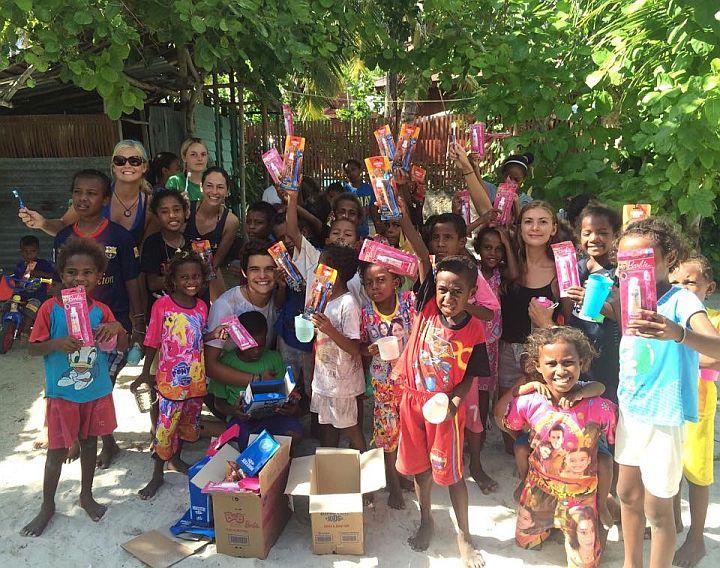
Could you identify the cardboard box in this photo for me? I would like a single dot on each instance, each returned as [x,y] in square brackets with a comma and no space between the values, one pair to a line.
[335,480]
[263,397]
[248,524]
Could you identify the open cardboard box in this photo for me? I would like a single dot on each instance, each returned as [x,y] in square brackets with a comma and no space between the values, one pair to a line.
[248,524]
[263,397]
[335,480]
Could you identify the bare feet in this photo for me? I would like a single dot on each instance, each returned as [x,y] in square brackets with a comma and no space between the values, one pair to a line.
[470,555]
[690,553]
[176,464]
[485,483]
[38,524]
[109,451]
[420,541]
[73,452]
[396,500]
[94,509]
[605,515]
[148,492]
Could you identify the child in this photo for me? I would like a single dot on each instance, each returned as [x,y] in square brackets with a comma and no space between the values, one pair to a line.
[395,309]
[445,351]
[338,377]
[33,267]
[447,237]
[599,227]
[119,287]
[696,275]
[262,363]
[194,155]
[171,211]
[79,404]
[556,491]
[363,191]
[657,393]
[175,329]
[258,220]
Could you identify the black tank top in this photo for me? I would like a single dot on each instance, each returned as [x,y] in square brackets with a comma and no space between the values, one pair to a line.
[214,236]
[514,304]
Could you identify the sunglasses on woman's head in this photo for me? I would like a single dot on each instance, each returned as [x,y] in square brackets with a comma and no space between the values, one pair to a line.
[132,160]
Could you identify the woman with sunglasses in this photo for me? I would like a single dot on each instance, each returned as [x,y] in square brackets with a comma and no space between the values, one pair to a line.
[194,155]
[128,204]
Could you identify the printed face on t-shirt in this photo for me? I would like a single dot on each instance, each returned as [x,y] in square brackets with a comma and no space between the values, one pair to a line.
[556,438]
[88,197]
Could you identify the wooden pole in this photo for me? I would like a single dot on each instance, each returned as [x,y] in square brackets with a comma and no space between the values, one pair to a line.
[265,128]
[241,150]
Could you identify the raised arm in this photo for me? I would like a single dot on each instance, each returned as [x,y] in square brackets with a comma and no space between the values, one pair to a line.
[35,220]
[415,241]
[475,185]
[291,220]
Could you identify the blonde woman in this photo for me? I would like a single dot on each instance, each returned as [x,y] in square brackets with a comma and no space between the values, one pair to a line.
[194,155]
[128,205]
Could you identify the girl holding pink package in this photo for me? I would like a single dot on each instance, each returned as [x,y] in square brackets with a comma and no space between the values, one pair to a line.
[536,278]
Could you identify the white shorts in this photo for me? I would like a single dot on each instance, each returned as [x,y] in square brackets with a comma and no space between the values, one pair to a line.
[656,450]
[340,412]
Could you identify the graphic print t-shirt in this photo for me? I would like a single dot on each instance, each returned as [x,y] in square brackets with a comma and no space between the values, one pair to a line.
[177,332]
[564,441]
[81,376]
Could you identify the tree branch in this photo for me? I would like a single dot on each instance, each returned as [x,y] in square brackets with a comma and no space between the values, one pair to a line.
[16,86]
[151,88]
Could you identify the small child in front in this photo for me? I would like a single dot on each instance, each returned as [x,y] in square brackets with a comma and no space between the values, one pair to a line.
[446,349]
[177,322]
[561,484]
[76,409]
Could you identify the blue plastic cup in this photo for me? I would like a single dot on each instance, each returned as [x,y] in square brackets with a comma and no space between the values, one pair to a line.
[304,329]
[597,289]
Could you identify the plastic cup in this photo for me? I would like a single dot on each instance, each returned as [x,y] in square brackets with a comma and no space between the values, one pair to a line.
[108,346]
[544,302]
[389,348]
[304,329]
[597,289]
[435,409]
[145,397]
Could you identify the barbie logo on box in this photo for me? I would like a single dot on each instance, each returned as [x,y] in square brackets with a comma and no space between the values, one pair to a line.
[566,266]
[77,315]
[391,258]
[636,272]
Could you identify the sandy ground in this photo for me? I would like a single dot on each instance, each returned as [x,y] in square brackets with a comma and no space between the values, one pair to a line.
[72,539]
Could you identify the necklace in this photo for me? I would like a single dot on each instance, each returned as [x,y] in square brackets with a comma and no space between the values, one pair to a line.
[128,210]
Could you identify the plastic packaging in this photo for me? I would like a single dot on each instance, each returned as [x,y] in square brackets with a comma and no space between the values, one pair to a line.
[16,195]
[477,138]
[389,348]
[274,163]
[417,177]
[504,201]
[636,272]
[395,260]
[292,163]
[435,409]
[240,336]
[321,290]
[77,315]
[566,266]
[407,141]
[204,250]
[383,185]
[635,212]
[464,198]
[282,258]
[385,141]
[145,397]
[288,118]
[597,289]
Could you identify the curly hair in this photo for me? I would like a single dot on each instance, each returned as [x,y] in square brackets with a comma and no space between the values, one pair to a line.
[342,258]
[557,334]
[77,246]
[703,263]
[665,235]
[180,258]
[460,265]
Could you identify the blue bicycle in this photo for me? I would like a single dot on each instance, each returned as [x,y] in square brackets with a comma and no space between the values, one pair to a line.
[16,306]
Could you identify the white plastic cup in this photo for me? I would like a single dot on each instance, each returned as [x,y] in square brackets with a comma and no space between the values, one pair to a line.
[435,409]
[304,329]
[389,348]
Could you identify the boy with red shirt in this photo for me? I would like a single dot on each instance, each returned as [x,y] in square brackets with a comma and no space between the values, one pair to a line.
[445,351]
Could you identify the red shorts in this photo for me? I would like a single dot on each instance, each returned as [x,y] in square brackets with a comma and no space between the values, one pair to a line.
[426,446]
[70,421]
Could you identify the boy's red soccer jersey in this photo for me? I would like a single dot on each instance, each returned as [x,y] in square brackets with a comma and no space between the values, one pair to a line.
[436,359]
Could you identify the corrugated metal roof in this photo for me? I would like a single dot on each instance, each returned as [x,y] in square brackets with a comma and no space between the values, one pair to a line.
[44,184]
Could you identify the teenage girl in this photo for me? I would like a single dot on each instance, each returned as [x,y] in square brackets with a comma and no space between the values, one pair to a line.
[194,155]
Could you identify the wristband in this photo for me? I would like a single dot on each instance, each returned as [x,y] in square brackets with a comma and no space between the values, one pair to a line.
[468,173]
[682,338]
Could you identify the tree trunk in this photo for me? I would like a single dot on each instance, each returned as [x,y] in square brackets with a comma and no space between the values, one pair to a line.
[391,91]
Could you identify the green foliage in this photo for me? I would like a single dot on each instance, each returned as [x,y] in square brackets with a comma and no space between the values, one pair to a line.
[360,90]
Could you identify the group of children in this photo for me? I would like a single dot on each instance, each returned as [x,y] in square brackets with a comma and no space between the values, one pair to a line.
[471,326]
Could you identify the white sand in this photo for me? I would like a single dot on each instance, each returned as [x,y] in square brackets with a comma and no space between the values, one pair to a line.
[72,539]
